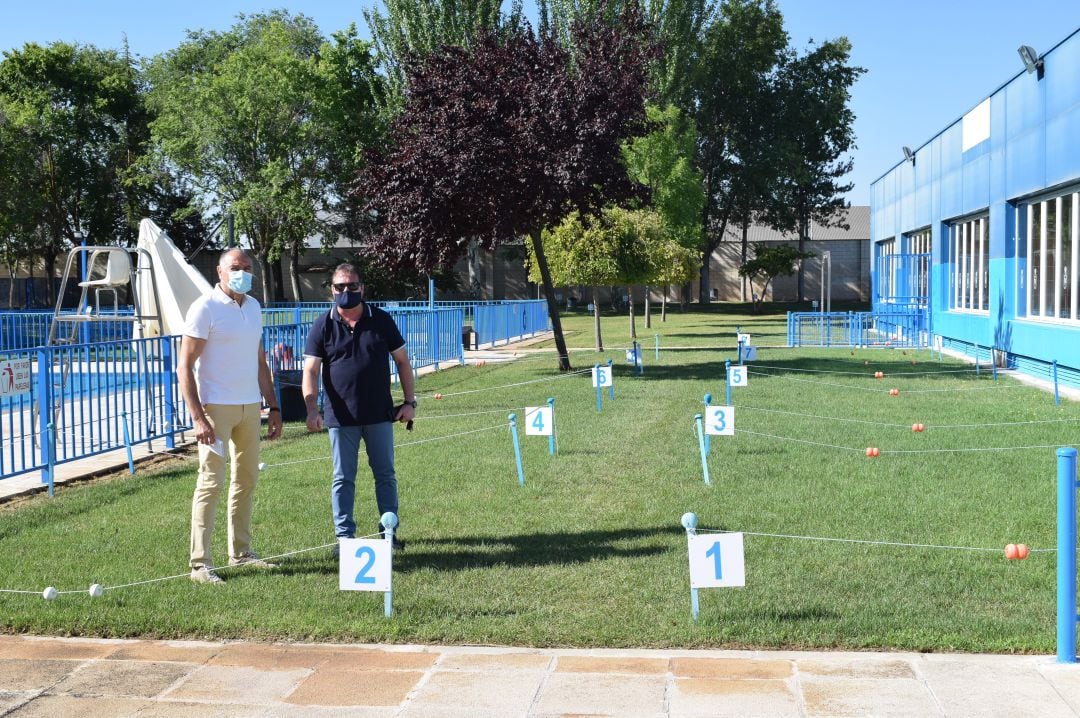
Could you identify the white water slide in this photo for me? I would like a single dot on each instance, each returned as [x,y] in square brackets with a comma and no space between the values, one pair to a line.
[178,284]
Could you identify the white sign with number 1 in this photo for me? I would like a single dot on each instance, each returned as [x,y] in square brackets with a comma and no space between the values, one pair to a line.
[717,561]
[365,565]
[538,421]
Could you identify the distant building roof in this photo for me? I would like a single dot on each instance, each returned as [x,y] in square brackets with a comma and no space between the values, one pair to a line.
[858,220]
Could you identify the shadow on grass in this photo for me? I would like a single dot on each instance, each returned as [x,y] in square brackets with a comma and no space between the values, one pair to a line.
[523,550]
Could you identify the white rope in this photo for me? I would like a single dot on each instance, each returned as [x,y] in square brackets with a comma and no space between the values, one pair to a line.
[800,441]
[507,386]
[902,451]
[864,373]
[871,543]
[906,426]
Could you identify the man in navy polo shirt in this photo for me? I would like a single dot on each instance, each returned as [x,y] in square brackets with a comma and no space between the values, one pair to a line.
[352,345]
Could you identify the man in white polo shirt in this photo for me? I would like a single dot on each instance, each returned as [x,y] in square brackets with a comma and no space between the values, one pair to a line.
[222,372]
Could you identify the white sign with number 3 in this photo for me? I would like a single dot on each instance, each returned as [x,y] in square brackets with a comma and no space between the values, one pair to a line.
[717,561]
[720,421]
[738,376]
[365,565]
[601,376]
[538,421]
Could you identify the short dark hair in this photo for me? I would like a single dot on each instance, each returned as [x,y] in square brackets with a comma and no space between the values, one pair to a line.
[350,268]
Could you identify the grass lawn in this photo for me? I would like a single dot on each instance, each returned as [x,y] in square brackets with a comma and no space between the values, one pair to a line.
[590,552]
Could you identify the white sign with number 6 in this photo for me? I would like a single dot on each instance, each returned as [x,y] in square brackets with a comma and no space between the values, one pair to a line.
[738,376]
[538,421]
[601,376]
[365,565]
[717,561]
[720,421]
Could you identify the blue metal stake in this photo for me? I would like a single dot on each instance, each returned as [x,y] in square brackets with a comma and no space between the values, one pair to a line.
[689,522]
[611,381]
[551,439]
[1057,396]
[708,444]
[656,337]
[1066,555]
[389,522]
[517,449]
[167,393]
[727,380]
[127,442]
[638,358]
[50,448]
[976,360]
[701,448]
[599,389]
[740,351]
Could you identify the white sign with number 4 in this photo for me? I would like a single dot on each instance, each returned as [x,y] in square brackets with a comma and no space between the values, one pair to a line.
[601,376]
[365,565]
[538,421]
[738,376]
[720,421]
[717,561]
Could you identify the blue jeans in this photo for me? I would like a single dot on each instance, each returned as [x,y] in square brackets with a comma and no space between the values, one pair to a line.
[345,449]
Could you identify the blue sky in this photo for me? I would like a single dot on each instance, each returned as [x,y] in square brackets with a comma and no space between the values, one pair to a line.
[928,61]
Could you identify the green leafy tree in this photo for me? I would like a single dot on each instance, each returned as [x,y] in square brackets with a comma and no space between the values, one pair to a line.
[21,200]
[259,122]
[768,264]
[673,263]
[814,135]
[79,116]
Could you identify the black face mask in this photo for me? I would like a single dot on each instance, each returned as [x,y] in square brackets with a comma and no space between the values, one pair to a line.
[348,300]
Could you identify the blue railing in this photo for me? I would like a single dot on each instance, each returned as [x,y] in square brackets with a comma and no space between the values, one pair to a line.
[28,329]
[85,399]
[858,329]
[496,323]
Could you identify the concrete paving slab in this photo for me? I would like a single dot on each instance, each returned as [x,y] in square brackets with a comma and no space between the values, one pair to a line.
[603,694]
[598,664]
[229,684]
[357,659]
[179,709]
[494,662]
[731,668]
[836,697]
[178,651]
[845,667]
[327,687]
[49,706]
[1012,686]
[133,679]
[727,698]
[51,648]
[504,693]
[1065,678]
[13,699]
[270,657]
[23,674]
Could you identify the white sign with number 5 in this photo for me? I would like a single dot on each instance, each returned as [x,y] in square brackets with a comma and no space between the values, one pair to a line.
[717,561]
[538,421]
[720,421]
[738,376]
[365,565]
[601,376]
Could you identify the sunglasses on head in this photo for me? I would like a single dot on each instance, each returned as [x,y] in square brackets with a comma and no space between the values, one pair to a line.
[346,286]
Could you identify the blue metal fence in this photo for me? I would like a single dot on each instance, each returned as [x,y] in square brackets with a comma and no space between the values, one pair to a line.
[860,329]
[86,399]
[496,323]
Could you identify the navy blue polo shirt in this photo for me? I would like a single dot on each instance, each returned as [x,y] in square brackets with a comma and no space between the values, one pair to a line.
[355,366]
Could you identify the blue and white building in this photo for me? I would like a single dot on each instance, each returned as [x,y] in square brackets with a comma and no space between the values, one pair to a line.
[978,229]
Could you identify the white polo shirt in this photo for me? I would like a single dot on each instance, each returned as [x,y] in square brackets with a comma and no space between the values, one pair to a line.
[227,371]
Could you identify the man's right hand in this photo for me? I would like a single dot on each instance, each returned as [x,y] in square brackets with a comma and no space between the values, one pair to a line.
[314,420]
[204,432]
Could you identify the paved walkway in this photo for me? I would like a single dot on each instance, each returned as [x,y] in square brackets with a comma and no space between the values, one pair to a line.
[87,677]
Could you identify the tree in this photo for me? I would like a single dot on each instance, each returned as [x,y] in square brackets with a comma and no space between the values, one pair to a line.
[673,263]
[815,133]
[742,48]
[413,29]
[504,138]
[259,122]
[769,263]
[78,110]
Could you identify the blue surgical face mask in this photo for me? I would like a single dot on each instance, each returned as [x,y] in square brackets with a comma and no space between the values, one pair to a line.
[348,300]
[240,281]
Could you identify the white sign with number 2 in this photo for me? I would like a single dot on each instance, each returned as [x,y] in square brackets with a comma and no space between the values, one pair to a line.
[717,561]
[538,421]
[365,565]
[720,421]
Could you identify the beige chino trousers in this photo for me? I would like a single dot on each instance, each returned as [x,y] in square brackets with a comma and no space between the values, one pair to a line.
[238,426]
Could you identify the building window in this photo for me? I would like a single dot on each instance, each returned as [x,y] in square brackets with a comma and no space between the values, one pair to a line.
[919,248]
[969,242]
[885,265]
[1051,232]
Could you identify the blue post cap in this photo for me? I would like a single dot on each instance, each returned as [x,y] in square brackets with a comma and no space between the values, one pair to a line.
[697,417]
[1066,451]
[551,400]
[512,418]
[689,520]
[708,398]
[389,520]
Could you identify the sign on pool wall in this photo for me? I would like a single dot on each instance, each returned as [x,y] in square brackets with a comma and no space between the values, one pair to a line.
[14,377]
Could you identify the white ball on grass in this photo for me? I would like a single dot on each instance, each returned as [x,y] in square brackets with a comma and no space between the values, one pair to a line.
[96,590]
[262,465]
[50,593]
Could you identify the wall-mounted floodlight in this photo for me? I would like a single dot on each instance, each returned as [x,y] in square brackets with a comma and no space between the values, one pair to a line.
[908,154]
[1032,61]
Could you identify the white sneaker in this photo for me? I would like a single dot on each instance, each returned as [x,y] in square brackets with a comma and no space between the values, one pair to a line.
[251,559]
[205,574]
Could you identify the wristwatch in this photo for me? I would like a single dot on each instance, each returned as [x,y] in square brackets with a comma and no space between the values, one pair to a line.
[409,403]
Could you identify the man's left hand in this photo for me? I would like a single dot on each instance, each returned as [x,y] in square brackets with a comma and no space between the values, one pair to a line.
[405,413]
